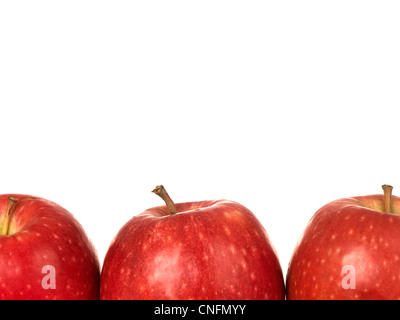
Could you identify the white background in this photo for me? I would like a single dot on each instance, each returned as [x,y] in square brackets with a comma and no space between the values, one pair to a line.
[282,106]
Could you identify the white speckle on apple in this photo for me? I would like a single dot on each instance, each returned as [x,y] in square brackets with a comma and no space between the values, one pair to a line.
[371,266]
[257,234]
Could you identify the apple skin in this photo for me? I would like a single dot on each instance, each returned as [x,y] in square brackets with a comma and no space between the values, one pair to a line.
[43,233]
[207,250]
[348,232]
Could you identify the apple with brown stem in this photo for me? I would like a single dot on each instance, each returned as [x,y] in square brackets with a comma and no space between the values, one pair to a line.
[350,249]
[44,252]
[193,250]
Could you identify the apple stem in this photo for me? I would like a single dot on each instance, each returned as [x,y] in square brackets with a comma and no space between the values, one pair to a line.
[387,191]
[160,191]
[6,222]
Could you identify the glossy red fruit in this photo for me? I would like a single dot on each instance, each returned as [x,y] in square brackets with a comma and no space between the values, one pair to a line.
[44,252]
[193,250]
[349,250]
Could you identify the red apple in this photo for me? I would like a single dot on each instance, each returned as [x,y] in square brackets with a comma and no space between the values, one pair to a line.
[350,249]
[44,252]
[194,250]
